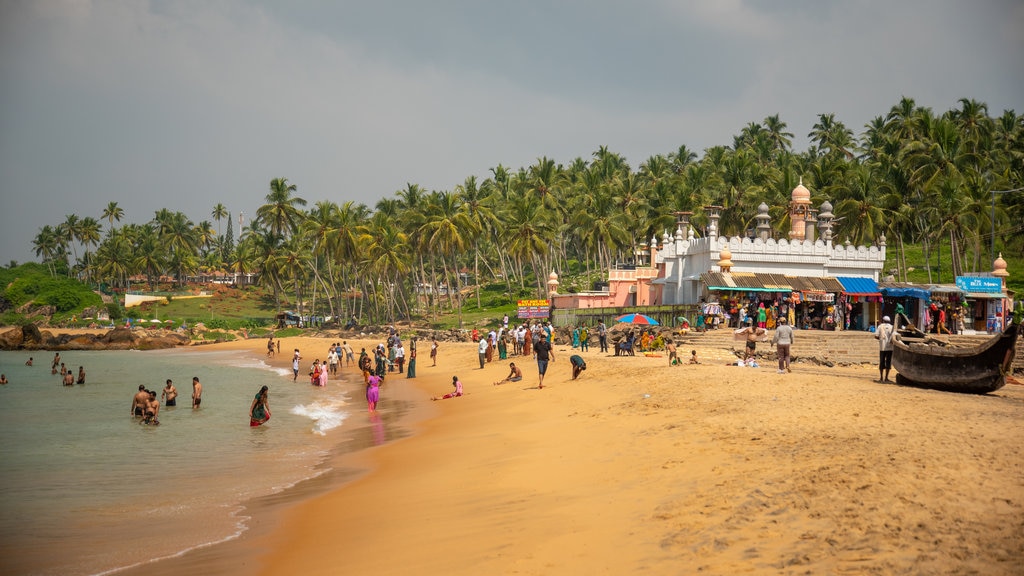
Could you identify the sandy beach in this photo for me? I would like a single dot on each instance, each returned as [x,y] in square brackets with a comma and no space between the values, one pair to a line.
[642,467]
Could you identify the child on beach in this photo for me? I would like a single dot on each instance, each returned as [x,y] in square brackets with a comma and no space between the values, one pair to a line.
[693,357]
[458,390]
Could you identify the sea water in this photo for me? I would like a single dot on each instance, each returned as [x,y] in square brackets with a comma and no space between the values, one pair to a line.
[86,489]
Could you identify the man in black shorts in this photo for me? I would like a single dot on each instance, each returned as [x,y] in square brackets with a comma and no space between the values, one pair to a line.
[140,401]
[543,352]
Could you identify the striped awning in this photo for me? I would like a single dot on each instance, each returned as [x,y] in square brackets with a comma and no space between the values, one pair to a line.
[762,282]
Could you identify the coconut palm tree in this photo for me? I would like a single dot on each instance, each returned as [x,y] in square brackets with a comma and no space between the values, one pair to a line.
[47,246]
[281,214]
[113,213]
[219,213]
[387,256]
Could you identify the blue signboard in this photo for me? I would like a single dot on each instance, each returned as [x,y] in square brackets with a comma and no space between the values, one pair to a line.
[979,284]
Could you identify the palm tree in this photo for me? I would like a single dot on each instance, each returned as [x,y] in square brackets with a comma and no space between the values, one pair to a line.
[445,234]
[112,213]
[219,213]
[150,255]
[386,253]
[527,234]
[89,230]
[832,135]
[47,246]
[70,231]
[777,134]
[280,214]
[482,219]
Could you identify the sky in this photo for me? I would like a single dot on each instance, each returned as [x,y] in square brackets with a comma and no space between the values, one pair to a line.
[186,104]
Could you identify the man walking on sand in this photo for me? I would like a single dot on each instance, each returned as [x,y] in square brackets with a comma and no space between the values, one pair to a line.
[482,351]
[884,335]
[783,338]
[544,353]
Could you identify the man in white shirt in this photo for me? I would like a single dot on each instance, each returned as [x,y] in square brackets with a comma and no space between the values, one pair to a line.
[884,333]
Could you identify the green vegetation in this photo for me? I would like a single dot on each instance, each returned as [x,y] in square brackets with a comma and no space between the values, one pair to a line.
[942,269]
[34,285]
[930,182]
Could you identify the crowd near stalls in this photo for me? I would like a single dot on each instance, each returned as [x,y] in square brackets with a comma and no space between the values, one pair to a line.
[815,283]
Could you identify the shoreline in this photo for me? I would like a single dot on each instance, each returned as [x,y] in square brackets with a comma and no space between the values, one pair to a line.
[402,411]
[639,466]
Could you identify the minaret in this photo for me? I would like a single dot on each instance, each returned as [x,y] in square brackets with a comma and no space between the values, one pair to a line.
[552,283]
[725,259]
[999,270]
[714,213]
[764,227]
[799,208]
[825,218]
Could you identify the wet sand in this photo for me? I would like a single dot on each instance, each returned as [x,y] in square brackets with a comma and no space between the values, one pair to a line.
[642,467]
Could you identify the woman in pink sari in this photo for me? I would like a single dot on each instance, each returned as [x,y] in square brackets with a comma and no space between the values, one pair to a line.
[372,392]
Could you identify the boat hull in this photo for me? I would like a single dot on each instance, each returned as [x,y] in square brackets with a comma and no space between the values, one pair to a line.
[973,370]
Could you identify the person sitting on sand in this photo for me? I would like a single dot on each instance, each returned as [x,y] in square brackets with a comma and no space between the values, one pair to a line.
[458,390]
[514,375]
[693,357]
[578,365]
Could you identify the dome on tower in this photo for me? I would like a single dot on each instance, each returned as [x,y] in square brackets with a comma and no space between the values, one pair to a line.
[999,267]
[762,210]
[725,259]
[801,194]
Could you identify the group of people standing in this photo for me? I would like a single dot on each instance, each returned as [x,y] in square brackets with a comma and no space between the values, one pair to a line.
[146,407]
[67,376]
[389,357]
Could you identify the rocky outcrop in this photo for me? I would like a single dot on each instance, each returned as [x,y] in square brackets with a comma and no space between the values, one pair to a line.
[29,337]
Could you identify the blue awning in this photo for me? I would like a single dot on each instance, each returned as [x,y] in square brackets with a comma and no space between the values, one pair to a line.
[859,286]
[919,293]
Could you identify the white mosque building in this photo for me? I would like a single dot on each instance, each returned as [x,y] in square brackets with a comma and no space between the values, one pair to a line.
[806,262]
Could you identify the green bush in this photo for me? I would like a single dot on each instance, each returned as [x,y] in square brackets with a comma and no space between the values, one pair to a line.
[115,311]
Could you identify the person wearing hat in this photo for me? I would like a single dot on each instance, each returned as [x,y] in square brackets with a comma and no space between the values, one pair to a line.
[783,339]
[884,334]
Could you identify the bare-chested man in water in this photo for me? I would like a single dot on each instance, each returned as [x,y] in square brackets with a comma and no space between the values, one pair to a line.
[152,409]
[69,378]
[140,401]
[170,393]
[197,392]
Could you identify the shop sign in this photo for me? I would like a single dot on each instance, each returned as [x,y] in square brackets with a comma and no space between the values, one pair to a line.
[979,284]
[534,308]
[819,296]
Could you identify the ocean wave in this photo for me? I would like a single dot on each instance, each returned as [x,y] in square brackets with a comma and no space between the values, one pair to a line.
[325,414]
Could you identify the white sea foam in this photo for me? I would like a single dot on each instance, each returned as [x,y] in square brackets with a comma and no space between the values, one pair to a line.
[325,414]
[259,364]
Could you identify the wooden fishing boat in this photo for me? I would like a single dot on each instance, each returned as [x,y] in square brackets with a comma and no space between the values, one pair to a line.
[927,362]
